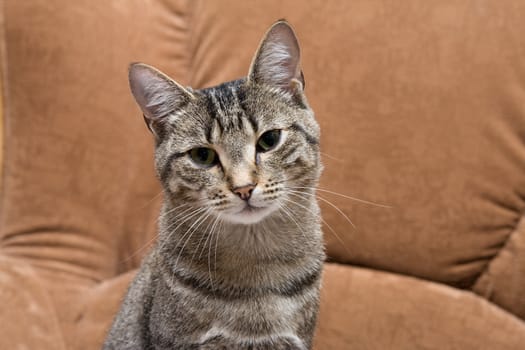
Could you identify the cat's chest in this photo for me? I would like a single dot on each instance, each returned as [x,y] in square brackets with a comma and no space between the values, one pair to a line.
[255,320]
[241,320]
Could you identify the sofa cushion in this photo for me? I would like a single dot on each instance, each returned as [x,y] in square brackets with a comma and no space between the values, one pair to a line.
[80,196]
[389,311]
[360,309]
[28,317]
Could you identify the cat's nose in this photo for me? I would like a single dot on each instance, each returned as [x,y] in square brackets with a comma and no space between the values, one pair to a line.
[244,192]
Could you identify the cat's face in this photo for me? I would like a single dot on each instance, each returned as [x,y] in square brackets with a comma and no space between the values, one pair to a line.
[243,150]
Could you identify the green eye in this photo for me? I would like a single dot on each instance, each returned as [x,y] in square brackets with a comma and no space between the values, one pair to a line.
[268,140]
[202,156]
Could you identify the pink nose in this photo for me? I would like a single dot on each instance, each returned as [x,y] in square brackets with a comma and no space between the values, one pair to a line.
[244,192]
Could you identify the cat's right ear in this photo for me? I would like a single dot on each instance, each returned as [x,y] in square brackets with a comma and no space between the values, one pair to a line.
[156,94]
[277,60]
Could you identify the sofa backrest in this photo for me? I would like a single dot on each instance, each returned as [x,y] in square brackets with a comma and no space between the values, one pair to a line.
[422,108]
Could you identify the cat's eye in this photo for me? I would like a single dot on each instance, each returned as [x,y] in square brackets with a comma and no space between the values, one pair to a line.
[268,140]
[205,157]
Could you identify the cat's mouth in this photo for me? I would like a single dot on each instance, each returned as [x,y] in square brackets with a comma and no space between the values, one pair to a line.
[248,208]
[249,214]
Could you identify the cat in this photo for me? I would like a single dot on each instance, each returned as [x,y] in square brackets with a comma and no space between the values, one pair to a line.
[239,256]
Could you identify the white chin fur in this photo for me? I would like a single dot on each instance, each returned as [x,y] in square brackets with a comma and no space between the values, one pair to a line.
[248,217]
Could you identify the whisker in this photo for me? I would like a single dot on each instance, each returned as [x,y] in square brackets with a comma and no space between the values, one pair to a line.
[192,212]
[290,215]
[345,196]
[219,230]
[209,249]
[296,193]
[147,244]
[331,157]
[208,234]
[341,241]
[203,236]
[336,208]
[151,200]
[197,204]
[180,223]
[191,231]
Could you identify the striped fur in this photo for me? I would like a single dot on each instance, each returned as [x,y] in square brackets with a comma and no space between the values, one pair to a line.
[226,272]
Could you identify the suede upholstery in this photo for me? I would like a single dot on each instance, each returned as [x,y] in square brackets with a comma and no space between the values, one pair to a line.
[421,107]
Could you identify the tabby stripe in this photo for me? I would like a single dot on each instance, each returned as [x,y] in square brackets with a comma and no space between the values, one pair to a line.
[309,138]
[223,96]
[288,153]
[166,168]
[214,109]
[208,130]
[290,289]
[243,105]
[296,286]
[210,106]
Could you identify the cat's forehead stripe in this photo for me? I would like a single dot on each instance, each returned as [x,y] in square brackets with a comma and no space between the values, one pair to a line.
[241,100]
[216,110]
[225,105]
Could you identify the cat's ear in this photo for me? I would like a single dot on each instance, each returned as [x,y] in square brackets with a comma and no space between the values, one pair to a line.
[156,93]
[277,60]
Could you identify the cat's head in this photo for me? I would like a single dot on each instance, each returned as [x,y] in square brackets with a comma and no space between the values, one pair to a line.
[243,150]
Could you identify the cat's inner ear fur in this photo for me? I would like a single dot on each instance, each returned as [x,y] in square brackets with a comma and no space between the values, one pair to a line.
[277,60]
[156,93]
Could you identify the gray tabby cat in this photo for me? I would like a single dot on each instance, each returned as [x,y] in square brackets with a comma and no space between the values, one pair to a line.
[239,255]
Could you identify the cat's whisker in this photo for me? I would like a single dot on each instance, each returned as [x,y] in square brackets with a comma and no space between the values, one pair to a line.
[197,204]
[336,208]
[201,213]
[191,231]
[297,193]
[284,208]
[207,233]
[344,196]
[219,230]
[212,233]
[186,215]
[331,157]
[204,236]
[151,200]
[180,218]
[180,222]
[145,245]
[336,235]
[139,250]
[177,215]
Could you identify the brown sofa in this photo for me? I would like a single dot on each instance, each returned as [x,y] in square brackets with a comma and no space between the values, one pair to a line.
[422,108]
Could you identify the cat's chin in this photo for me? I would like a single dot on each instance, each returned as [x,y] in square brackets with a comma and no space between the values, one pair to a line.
[249,215]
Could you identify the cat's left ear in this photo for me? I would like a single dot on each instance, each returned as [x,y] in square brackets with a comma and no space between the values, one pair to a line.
[277,60]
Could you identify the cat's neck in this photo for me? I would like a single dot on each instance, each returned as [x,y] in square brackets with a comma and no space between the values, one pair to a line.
[194,232]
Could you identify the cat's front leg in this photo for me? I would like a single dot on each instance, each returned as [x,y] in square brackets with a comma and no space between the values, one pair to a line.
[129,329]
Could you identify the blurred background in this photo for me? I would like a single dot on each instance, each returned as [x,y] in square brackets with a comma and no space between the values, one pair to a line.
[421,107]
